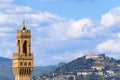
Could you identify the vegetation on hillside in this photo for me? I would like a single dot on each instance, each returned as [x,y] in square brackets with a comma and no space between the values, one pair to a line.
[6,72]
[95,67]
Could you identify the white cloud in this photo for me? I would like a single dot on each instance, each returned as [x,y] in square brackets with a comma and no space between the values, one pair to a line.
[18,9]
[44,17]
[8,6]
[108,20]
[79,28]
[6,1]
[70,55]
[58,28]
[63,29]
[111,18]
[6,29]
[112,46]
[50,27]
[5,34]
[47,0]
[7,53]
[7,43]
[69,0]
[3,19]
[11,19]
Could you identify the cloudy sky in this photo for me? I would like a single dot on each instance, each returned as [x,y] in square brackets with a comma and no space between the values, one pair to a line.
[62,30]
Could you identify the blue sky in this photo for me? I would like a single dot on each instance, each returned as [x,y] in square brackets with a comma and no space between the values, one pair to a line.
[62,30]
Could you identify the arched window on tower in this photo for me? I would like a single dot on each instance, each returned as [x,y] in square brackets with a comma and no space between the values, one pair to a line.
[18,46]
[25,47]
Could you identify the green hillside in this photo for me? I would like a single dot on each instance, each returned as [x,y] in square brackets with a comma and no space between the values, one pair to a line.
[88,67]
[7,74]
[40,70]
[6,69]
[82,64]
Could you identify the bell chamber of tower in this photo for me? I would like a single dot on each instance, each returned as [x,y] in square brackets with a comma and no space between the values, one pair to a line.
[22,62]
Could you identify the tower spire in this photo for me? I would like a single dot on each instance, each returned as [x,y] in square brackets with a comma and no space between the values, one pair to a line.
[23,25]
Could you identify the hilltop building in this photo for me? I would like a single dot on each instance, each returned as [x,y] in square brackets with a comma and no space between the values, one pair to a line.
[95,56]
[22,62]
[92,56]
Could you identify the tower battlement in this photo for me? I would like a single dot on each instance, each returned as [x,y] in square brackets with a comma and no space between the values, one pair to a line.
[17,55]
[23,31]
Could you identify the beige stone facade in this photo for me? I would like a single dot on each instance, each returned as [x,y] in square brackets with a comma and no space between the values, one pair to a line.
[92,56]
[99,68]
[23,58]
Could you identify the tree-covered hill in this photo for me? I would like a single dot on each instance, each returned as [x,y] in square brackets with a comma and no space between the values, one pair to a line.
[83,64]
[88,67]
[39,70]
[88,64]
[6,72]
[6,69]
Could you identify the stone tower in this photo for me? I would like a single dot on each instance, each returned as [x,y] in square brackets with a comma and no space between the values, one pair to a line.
[23,59]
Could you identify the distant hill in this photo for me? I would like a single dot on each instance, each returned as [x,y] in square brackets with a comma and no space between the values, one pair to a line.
[6,69]
[4,61]
[40,70]
[88,67]
[6,72]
